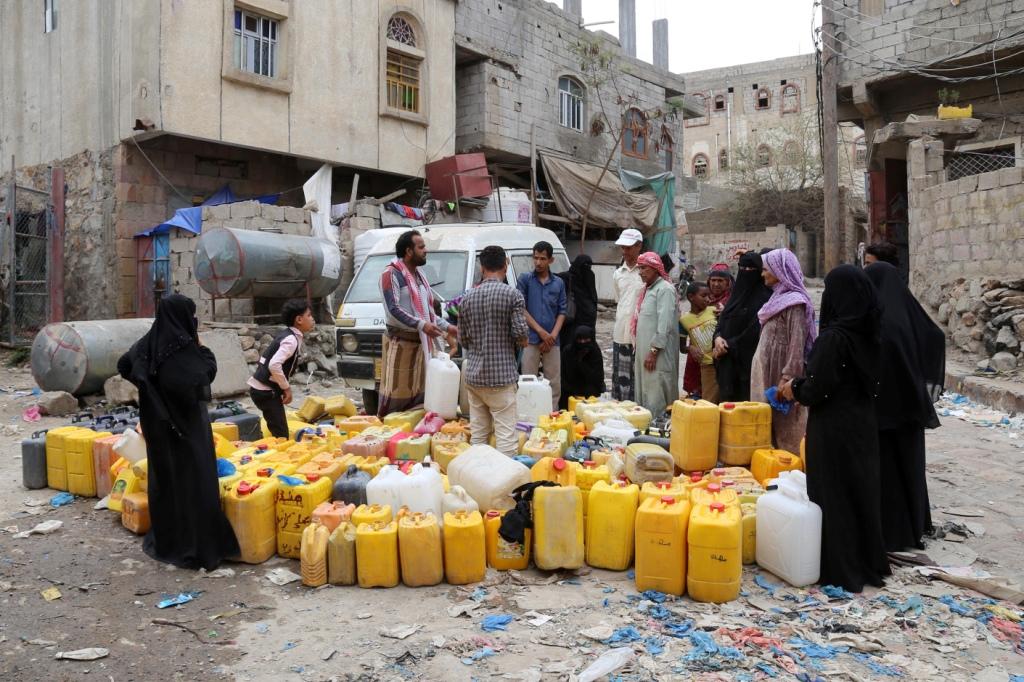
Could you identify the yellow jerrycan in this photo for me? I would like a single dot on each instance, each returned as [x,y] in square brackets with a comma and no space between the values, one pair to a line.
[57,455]
[341,555]
[465,547]
[611,525]
[371,513]
[748,513]
[715,561]
[714,492]
[226,430]
[694,438]
[81,475]
[297,499]
[377,554]
[558,528]
[502,554]
[554,469]
[587,475]
[660,489]
[251,508]
[445,452]
[558,421]
[419,550]
[313,554]
[744,428]
[312,409]
[768,464]
[661,527]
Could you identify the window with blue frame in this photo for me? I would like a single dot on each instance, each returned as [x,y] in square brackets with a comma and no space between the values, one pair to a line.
[256,41]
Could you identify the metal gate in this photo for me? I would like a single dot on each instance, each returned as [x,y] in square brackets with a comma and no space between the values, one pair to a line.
[25,263]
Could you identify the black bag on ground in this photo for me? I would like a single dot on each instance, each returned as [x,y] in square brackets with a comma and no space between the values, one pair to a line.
[515,521]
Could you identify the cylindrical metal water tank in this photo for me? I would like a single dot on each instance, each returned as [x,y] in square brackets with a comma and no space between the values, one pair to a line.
[235,263]
[78,357]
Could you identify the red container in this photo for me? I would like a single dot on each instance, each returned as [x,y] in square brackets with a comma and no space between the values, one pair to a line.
[469,172]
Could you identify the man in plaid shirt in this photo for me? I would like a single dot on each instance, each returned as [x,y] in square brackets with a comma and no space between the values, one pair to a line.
[492,326]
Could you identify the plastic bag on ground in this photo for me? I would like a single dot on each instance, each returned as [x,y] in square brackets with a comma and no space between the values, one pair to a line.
[609,662]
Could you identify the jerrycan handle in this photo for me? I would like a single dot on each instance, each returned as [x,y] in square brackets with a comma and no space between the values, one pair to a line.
[794,492]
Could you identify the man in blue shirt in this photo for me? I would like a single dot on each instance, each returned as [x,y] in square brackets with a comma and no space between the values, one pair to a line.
[545,314]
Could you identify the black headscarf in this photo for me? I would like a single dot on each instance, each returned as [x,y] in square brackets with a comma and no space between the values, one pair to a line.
[582,366]
[584,290]
[739,326]
[914,353]
[850,307]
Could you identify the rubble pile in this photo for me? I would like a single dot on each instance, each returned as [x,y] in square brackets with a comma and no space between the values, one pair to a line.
[319,349]
[984,317]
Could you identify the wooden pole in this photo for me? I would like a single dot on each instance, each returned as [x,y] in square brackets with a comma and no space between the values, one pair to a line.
[533,175]
[830,124]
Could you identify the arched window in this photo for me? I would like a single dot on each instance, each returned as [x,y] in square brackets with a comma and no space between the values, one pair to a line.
[570,103]
[763,156]
[634,133]
[723,159]
[790,99]
[666,146]
[763,100]
[719,102]
[791,153]
[701,167]
[403,77]
[860,152]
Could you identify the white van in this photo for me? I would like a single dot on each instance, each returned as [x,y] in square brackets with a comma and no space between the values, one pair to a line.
[452,268]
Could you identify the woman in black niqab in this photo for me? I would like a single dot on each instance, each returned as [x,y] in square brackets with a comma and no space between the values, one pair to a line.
[843,471]
[582,367]
[913,372]
[739,330]
[173,373]
[581,288]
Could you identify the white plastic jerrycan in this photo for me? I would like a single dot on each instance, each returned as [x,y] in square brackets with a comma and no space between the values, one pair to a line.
[533,398]
[388,487]
[789,533]
[424,489]
[442,386]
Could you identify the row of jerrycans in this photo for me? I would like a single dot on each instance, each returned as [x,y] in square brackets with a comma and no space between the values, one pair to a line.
[704,433]
[372,549]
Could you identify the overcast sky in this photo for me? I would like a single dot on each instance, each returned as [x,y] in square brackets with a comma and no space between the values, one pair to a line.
[706,34]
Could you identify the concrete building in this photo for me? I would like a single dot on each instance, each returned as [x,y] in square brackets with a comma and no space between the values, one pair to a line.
[947,192]
[153,106]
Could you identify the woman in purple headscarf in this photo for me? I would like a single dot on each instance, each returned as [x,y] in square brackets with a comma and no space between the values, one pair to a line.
[787,332]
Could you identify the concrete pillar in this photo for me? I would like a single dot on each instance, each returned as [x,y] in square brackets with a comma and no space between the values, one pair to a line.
[627,26]
[661,43]
[574,8]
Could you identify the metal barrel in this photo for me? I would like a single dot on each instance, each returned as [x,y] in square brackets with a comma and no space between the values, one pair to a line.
[78,357]
[233,263]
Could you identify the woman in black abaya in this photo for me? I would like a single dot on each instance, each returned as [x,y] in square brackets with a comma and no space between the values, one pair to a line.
[581,290]
[739,330]
[913,371]
[173,373]
[843,472]
[582,367]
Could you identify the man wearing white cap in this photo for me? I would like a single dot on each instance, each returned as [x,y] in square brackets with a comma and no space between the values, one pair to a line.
[627,287]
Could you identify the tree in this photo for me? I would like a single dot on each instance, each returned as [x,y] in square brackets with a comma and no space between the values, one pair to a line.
[778,176]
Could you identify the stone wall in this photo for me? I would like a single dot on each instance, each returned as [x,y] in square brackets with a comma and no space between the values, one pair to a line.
[511,88]
[319,349]
[704,250]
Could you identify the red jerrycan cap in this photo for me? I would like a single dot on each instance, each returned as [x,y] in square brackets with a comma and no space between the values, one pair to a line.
[714,487]
[312,478]
[244,487]
[696,477]
[265,472]
[245,459]
[728,406]
[663,485]
[718,472]
[493,514]
[728,483]
[717,506]
[558,464]
[668,499]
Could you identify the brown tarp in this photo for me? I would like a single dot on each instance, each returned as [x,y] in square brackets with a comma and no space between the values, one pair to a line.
[571,184]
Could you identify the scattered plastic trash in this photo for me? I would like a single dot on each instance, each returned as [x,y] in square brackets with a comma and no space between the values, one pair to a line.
[177,600]
[90,654]
[659,612]
[623,635]
[41,528]
[654,596]
[958,609]
[654,646]
[876,667]
[219,573]
[765,584]
[834,592]
[262,628]
[606,664]
[31,414]
[479,594]
[51,593]
[288,645]
[497,621]
[677,629]
[536,619]
[282,576]
[400,631]
[813,650]
[61,499]
[485,652]
[704,648]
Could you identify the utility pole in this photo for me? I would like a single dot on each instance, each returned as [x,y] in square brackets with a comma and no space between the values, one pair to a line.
[830,124]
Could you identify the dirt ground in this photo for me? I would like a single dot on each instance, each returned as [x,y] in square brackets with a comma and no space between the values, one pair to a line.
[245,627]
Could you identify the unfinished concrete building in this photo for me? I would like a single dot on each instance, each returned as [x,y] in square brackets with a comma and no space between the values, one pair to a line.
[938,88]
[150,107]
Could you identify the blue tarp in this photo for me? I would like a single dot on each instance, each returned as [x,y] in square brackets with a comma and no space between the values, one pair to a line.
[191,218]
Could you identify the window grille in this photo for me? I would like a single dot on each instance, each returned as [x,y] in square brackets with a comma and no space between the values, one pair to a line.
[963,164]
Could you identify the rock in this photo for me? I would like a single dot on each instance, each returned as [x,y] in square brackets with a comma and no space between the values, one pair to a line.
[969,319]
[943,313]
[1003,362]
[311,367]
[57,403]
[247,342]
[1000,320]
[961,338]
[932,296]
[1016,301]
[232,370]
[993,294]
[266,340]
[982,365]
[120,391]
[251,356]
[299,379]
[963,304]
[1007,340]
[1018,324]
[974,288]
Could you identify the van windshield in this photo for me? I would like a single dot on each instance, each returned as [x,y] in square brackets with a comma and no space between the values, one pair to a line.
[445,270]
